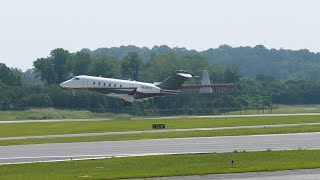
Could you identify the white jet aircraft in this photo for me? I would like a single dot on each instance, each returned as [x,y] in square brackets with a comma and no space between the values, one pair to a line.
[128,91]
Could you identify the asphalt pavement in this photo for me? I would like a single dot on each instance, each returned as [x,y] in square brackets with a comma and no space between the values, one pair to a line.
[104,149]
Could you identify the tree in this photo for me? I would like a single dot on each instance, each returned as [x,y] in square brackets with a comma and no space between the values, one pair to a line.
[105,66]
[160,67]
[12,77]
[59,57]
[231,74]
[29,77]
[193,63]
[80,63]
[53,69]
[215,73]
[44,69]
[130,65]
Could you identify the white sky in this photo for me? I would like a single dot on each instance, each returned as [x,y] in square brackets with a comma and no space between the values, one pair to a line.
[30,29]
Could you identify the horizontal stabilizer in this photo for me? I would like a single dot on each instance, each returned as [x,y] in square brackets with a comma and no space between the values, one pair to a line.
[185,75]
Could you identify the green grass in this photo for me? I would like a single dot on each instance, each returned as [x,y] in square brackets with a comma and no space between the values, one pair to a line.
[212,133]
[51,113]
[164,165]
[41,128]
[284,109]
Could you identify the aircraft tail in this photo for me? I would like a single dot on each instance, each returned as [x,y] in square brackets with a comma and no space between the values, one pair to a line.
[175,81]
[205,81]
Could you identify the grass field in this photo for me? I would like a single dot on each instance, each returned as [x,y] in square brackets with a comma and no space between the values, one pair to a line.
[284,109]
[165,165]
[51,113]
[234,132]
[29,129]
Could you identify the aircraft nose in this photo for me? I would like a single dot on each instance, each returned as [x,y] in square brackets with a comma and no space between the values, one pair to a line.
[67,84]
[63,84]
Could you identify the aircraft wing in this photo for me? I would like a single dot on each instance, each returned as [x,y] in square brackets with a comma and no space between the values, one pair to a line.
[133,92]
[116,90]
[197,86]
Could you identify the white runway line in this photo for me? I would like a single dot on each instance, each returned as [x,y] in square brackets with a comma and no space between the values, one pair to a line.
[222,144]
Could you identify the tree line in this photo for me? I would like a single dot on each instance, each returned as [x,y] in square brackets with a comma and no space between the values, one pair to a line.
[21,90]
[282,64]
[62,65]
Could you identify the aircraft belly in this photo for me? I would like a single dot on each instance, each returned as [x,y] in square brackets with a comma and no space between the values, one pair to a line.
[120,91]
[148,89]
[108,91]
[125,97]
[146,95]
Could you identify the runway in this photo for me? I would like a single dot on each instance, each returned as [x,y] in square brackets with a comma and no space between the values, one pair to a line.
[104,149]
[152,118]
[155,131]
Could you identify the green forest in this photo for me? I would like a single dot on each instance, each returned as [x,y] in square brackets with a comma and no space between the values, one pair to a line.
[263,77]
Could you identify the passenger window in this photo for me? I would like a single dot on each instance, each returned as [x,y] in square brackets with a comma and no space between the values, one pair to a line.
[109,84]
[99,83]
[104,84]
[115,85]
[94,83]
[120,85]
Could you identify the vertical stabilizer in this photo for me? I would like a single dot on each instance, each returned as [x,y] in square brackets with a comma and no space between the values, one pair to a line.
[175,81]
[205,80]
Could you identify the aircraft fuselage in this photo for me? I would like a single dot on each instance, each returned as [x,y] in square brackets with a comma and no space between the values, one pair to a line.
[126,90]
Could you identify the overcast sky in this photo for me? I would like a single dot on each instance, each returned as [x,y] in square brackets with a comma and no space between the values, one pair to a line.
[30,29]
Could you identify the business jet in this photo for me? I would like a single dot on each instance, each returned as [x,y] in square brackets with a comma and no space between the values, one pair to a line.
[127,90]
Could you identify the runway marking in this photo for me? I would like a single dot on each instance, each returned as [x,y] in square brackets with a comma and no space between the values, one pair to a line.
[101,149]
[34,157]
[89,157]
[97,155]
[62,160]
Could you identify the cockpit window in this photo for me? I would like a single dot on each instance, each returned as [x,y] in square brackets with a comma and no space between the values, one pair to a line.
[76,78]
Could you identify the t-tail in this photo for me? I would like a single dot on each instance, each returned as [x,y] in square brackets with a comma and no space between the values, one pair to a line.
[172,84]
